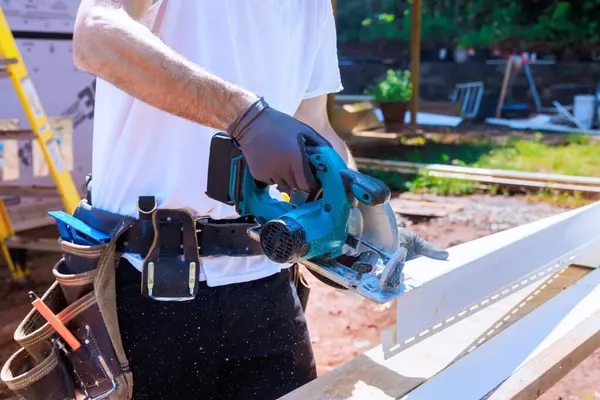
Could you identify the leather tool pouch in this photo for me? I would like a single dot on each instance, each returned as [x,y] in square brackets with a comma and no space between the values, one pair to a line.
[83,297]
[33,379]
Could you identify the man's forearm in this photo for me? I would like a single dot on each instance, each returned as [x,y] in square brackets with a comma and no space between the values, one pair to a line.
[116,48]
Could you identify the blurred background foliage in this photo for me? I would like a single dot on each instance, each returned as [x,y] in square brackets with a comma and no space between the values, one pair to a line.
[525,25]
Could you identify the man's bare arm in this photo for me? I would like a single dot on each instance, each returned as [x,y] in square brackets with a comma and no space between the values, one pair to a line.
[313,112]
[111,43]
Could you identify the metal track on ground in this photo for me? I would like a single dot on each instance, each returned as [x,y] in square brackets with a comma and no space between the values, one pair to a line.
[490,176]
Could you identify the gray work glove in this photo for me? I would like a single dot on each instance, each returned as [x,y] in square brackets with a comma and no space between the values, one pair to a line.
[417,246]
[274,145]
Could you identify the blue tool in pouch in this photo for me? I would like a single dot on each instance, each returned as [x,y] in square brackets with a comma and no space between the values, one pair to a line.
[76,231]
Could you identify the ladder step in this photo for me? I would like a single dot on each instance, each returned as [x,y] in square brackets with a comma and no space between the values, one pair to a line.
[31,243]
[36,223]
[16,134]
[9,128]
[4,62]
[8,61]
[29,191]
[9,124]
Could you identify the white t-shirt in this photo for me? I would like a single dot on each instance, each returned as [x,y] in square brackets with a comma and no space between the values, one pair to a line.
[283,50]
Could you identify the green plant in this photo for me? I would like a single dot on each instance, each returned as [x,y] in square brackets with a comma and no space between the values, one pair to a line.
[520,24]
[396,86]
[555,25]
[464,42]
[493,189]
[442,186]
[394,181]
[484,37]
[578,138]
[381,26]
[435,29]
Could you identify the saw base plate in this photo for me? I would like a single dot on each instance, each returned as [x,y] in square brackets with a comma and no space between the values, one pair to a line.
[365,285]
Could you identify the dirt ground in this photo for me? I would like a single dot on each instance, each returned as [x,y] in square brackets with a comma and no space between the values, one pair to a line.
[343,327]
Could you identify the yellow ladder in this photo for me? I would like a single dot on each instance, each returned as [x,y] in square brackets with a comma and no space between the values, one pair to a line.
[11,64]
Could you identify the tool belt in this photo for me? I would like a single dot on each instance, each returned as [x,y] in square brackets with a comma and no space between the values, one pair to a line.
[84,300]
[172,243]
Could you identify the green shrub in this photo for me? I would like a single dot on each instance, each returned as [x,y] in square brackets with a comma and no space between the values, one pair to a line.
[394,180]
[396,86]
[578,139]
[442,186]
[381,26]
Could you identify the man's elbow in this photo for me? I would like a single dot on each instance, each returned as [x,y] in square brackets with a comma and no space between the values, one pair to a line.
[83,40]
[88,34]
[80,49]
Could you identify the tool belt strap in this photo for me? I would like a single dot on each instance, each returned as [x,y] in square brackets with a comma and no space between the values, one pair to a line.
[214,237]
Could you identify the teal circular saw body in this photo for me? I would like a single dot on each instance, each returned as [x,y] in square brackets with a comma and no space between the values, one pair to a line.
[346,231]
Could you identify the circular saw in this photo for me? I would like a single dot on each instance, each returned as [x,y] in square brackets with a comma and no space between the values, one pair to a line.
[346,231]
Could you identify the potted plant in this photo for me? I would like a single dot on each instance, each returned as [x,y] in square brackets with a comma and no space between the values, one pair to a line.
[461,52]
[392,94]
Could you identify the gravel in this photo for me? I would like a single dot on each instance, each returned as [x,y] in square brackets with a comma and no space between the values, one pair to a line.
[498,213]
[481,215]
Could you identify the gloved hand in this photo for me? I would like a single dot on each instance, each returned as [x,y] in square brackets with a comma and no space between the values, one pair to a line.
[417,246]
[274,146]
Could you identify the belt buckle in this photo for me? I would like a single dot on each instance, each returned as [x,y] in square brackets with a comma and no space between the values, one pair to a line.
[171,269]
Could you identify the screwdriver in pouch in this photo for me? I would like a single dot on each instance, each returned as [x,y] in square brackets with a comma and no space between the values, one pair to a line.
[53,320]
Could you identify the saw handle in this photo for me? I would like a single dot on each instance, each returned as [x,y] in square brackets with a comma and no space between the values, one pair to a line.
[366,189]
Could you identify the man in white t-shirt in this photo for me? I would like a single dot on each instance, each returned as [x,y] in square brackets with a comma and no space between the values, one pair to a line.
[171,74]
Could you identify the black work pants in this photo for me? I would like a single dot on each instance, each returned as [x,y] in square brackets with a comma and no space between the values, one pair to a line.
[240,341]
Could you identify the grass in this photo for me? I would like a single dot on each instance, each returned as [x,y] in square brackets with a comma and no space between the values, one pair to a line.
[423,182]
[442,186]
[575,158]
[575,154]
[565,200]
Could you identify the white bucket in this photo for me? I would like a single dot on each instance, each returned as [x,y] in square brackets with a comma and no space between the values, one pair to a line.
[583,109]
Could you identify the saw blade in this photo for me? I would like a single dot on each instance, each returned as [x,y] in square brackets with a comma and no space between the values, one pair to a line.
[375,225]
